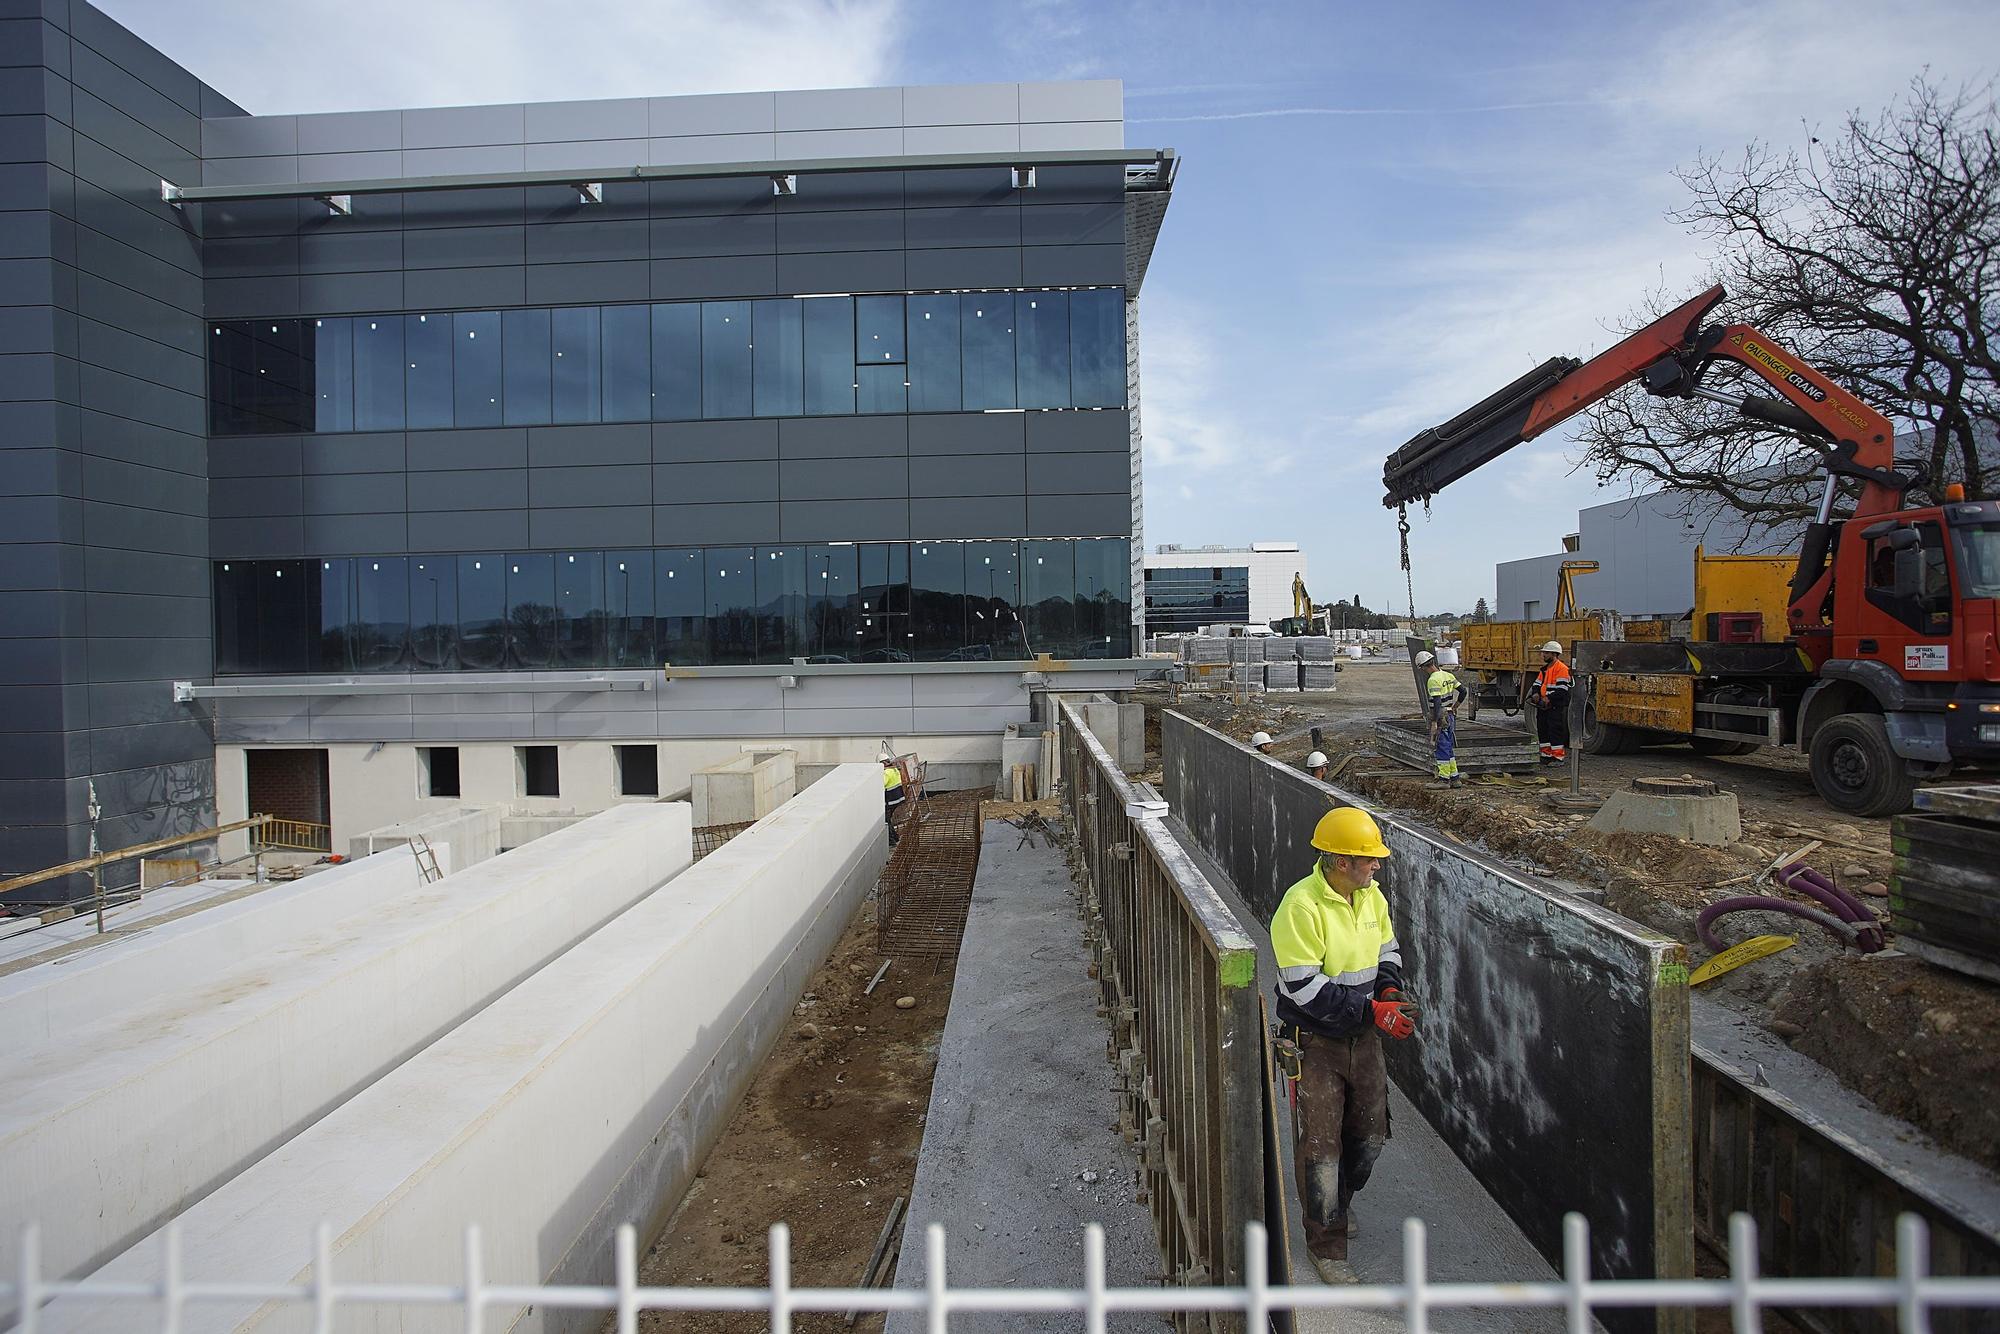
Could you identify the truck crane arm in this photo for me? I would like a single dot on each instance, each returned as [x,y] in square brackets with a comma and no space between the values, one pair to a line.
[1670,356]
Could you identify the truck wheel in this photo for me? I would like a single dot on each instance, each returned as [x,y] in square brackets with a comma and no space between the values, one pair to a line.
[1855,770]
[1708,745]
[1604,738]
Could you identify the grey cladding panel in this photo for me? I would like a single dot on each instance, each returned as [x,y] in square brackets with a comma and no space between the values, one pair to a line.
[745,275]
[855,229]
[328,454]
[354,493]
[845,520]
[452,127]
[254,456]
[481,489]
[843,271]
[610,526]
[967,475]
[330,251]
[842,437]
[614,118]
[969,267]
[264,535]
[715,525]
[711,482]
[357,534]
[473,530]
[445,289]
[571,488]
[844,479]
[1079,432]
[706,442]
[1080,516]
[704,235]
[463,247]
[1074,224]
[1056,474]
[351,132]
[1077,265]
[581,446]
[568,284]
[990,516]
[978,225]
[456,450]
[574,242]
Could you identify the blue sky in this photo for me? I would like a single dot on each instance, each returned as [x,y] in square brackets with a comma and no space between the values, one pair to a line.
[1385,211]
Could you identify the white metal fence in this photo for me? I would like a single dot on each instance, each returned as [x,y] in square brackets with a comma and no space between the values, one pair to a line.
[1911,1294]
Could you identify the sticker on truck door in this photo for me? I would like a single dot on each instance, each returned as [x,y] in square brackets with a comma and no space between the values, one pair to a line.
[1926,657]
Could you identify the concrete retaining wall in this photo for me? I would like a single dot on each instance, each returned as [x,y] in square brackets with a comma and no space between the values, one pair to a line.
[582,1099]
[461,836]
[139,969]
[1553,1055]
[746,788]
[131,1119]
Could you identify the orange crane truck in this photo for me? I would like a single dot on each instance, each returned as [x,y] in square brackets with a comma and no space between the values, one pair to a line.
[1888,672]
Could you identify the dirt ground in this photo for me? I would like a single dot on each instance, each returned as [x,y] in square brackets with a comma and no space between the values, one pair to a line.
[1921,1043]
[825,1141]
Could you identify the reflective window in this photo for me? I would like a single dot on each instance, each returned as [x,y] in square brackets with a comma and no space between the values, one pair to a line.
[528,387]
[878,330]
[680,618]
[476,369]
[628,363]
[482,613]
[992,599]
[628,609]
[333,374]
[833,603]
[677,362]
[937,600]
[333,650]
[1048,595]
[1185,598]
[1042,348]
[581,628]
[1097,348]
[781,603]
[985,600]
[933,348]
[433,613]
[829,355]
[885,634]
[730,605]
[725,359]
[378,373]
[261,376]
[779,373]
[881,389]
[427,384]
[986,342]
[380,641]
[573,335]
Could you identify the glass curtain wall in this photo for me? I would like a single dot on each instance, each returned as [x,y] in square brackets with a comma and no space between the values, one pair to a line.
[689,606]
[684,361]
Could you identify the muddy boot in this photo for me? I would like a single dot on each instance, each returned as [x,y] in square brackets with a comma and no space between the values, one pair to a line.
[1335,1271]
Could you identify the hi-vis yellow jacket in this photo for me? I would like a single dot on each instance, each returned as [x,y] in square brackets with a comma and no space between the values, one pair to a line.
[1333,957]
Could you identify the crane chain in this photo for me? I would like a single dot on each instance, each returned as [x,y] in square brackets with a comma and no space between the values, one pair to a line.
[1403,535]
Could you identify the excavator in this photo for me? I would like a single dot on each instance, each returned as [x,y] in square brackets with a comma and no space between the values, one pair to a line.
[1303,620]
[1888,671]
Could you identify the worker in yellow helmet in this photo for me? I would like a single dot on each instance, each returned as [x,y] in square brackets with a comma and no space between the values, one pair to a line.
[892,795]
[1442,696]
[1340,979]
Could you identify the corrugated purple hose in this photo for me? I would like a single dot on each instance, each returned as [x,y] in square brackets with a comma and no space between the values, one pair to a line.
[1765,903]
[1802,879]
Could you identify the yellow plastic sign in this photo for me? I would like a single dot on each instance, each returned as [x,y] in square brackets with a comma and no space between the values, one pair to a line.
[1757,947]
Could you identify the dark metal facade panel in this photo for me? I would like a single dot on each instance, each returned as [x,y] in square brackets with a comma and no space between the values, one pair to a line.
[326,455]
[968,475]
[992,266]
[364,534]
[708,483]
[592,529]
[353,493]
[469,489]
[872,520]
[967,432]
[844,479]
[581,446]
[454,451]
[1065,474]
[842,437]
[1107,515]
[722,276]
[469,530]
[716,525]
[1108,432]
[584,487]
[984,516]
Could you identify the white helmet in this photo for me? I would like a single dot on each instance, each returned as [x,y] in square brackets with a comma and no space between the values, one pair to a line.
[1426,659]
[1316,759]
[1260,738]
[1552,647]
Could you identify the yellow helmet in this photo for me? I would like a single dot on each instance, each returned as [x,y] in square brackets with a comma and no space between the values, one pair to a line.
[1349,831]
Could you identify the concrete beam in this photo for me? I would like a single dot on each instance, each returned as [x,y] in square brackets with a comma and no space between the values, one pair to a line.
[132,1118]
[582,1099]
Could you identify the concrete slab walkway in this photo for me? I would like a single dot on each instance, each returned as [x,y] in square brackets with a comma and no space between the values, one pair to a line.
[1020,1148]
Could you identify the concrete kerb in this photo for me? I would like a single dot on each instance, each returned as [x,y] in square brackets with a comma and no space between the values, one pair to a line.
[1554,1057]
[581,1099]
[104,1136]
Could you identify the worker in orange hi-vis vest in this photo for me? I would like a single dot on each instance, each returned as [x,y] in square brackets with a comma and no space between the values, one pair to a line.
[1551,695]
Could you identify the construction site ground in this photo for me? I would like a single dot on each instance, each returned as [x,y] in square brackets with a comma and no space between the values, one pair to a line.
[1919,1042]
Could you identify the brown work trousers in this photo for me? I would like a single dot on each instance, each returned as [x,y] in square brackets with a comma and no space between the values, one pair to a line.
[1338,1130]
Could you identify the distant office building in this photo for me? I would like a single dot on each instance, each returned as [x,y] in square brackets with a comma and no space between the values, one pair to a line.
[1189,587]
[338,445]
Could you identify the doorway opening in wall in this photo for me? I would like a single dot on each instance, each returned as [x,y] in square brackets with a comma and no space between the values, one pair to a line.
[638,770]
[535,767]
[288,784]
[440,770]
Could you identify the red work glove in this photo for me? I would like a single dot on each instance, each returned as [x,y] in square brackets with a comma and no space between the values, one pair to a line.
[1395,1014]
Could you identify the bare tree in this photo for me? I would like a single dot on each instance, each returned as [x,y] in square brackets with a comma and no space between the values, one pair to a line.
[1874,254]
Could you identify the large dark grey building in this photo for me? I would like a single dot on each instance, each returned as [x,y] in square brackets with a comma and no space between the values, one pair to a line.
[542,453]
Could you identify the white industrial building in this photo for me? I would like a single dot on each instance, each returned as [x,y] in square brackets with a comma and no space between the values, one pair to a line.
[1190,587]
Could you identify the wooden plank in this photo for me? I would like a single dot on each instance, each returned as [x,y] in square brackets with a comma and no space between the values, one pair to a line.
[123,854]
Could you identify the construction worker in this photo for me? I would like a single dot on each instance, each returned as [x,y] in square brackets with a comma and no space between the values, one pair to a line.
[1316,765]
[892,795]
[1261,741]
[1551,695]
[1442,696]
[1340,979]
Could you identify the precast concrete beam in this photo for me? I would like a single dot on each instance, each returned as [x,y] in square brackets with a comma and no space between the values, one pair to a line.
[582,1099]
[133,1117]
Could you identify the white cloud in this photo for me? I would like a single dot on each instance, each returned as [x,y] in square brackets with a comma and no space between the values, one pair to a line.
[275,58]
[1188,424]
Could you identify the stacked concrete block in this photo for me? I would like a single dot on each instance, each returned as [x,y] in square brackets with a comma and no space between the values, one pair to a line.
[1318,675]
[1314,648]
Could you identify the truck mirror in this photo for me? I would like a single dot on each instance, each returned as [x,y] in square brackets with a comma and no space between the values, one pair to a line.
[1903,539]
[1909,573]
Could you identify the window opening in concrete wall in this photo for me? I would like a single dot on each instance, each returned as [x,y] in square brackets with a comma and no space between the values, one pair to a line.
[440,765]
[288,784]
[638,770]
[535,766]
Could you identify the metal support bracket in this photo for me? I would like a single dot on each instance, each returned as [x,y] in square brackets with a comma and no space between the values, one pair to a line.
[170,193]
[590,192]
[341,206]
[1024,178]
[787,184]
